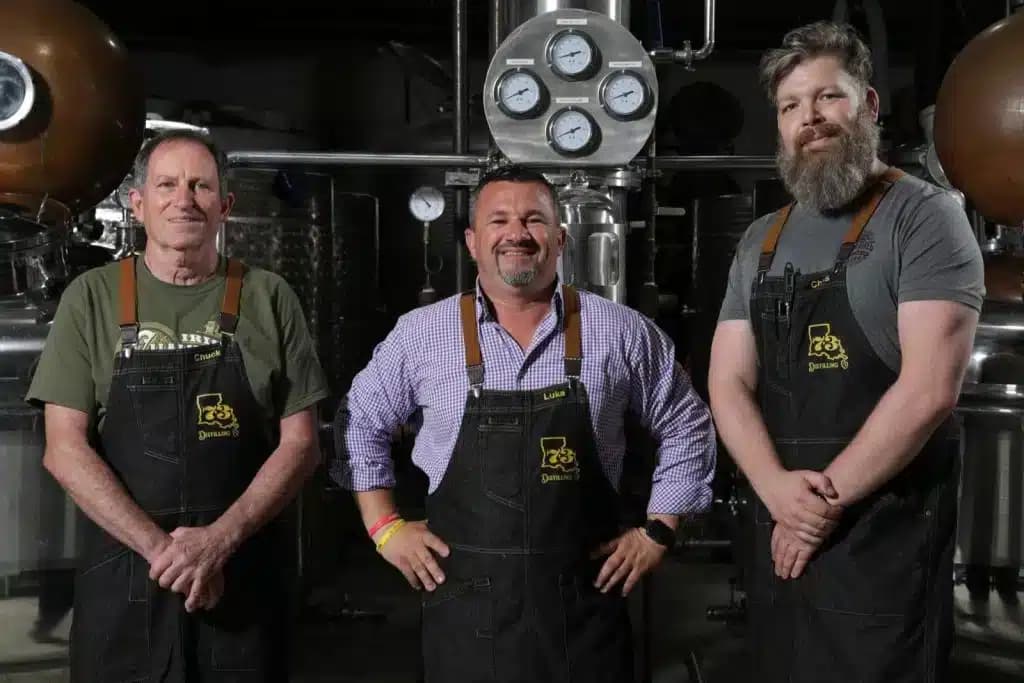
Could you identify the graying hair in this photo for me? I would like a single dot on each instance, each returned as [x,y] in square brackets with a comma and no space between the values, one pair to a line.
[820,39]
[141,166]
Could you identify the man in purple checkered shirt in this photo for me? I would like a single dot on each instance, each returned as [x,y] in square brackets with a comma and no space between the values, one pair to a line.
[523,390]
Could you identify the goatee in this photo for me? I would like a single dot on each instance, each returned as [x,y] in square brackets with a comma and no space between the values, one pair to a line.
[829,179]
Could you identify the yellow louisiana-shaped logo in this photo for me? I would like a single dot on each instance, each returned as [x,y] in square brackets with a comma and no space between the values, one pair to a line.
[827,346]
[214,412]
[559,462]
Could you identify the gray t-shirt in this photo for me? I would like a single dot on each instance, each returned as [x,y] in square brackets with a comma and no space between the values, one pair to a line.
[918,246]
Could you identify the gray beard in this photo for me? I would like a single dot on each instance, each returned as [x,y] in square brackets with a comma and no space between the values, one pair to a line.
[518,278]
[830,180]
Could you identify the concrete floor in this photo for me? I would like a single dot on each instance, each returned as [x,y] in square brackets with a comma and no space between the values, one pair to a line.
[363,627]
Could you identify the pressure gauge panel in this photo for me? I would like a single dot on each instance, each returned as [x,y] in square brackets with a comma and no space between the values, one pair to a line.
[426,204]
[625,95]
[573,132]
[570,88]
[519,94]
[573,55]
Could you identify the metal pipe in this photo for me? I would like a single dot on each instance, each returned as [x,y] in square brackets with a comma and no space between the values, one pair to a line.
[695,305]
[285,158]
[989,410]
[652,211]
[460,59]
[494,26]
[460,143]
[711,161]
[709,31]
[687,55]
[496,22]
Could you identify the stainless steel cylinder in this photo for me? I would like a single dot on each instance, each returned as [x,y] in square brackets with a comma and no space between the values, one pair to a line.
[594,257]
[991,407]
[512,13]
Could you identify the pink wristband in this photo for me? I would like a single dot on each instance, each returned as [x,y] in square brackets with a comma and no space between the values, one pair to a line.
[380,523]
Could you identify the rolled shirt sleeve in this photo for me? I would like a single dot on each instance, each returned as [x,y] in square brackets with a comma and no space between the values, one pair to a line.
[678,420]
[380,400]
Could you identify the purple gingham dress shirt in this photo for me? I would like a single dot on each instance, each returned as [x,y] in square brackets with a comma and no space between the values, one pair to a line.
[418,373]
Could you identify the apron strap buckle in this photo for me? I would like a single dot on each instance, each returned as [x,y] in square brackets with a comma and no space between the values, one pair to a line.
[476,377]
[129,334]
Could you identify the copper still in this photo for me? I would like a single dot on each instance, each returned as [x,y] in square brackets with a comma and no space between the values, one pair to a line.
[72,116]
[979,122]
[71,106]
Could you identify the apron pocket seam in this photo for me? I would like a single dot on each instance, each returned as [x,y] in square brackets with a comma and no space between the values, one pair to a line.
[107,560]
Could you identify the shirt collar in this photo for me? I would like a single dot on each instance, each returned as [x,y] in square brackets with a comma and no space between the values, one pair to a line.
[485,309]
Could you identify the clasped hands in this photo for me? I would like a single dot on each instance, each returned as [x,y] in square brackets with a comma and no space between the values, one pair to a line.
[805,508]
[190,561]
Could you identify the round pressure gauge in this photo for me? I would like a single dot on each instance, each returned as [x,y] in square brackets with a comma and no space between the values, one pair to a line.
[625,95]
[520,94]
[573,55]
[17,91]
[572,132]
[426,204]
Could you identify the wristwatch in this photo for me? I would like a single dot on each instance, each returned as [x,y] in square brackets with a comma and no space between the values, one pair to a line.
[660,533]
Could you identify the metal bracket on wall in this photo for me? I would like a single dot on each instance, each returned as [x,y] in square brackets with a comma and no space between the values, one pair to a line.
[462,178]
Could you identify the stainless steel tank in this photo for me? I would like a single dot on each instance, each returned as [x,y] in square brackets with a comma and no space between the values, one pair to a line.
[282,222]
[594,257]
[991,407]
[512,13]
[36,517]
[321,240]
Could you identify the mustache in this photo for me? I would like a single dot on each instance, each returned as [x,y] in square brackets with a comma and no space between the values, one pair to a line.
[528,244]
[822,130]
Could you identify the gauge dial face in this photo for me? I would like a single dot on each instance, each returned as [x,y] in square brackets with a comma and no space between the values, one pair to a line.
[426,204]
[572,132]
[16,91]
[624,95]
[520,94]
[572,55]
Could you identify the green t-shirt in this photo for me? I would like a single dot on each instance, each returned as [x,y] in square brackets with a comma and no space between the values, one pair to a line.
[77,361]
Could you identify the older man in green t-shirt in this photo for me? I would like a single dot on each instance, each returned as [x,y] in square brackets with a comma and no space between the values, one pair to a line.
[179,391]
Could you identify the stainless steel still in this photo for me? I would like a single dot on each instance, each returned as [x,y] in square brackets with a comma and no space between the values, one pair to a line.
[510,14]
[32,255]
[36,517]
[991,407]
[594,257]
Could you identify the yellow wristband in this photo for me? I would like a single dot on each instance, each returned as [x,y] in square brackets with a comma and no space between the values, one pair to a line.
[395,526]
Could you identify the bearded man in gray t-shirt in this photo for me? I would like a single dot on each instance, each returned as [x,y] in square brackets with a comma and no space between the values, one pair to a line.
[836,363]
